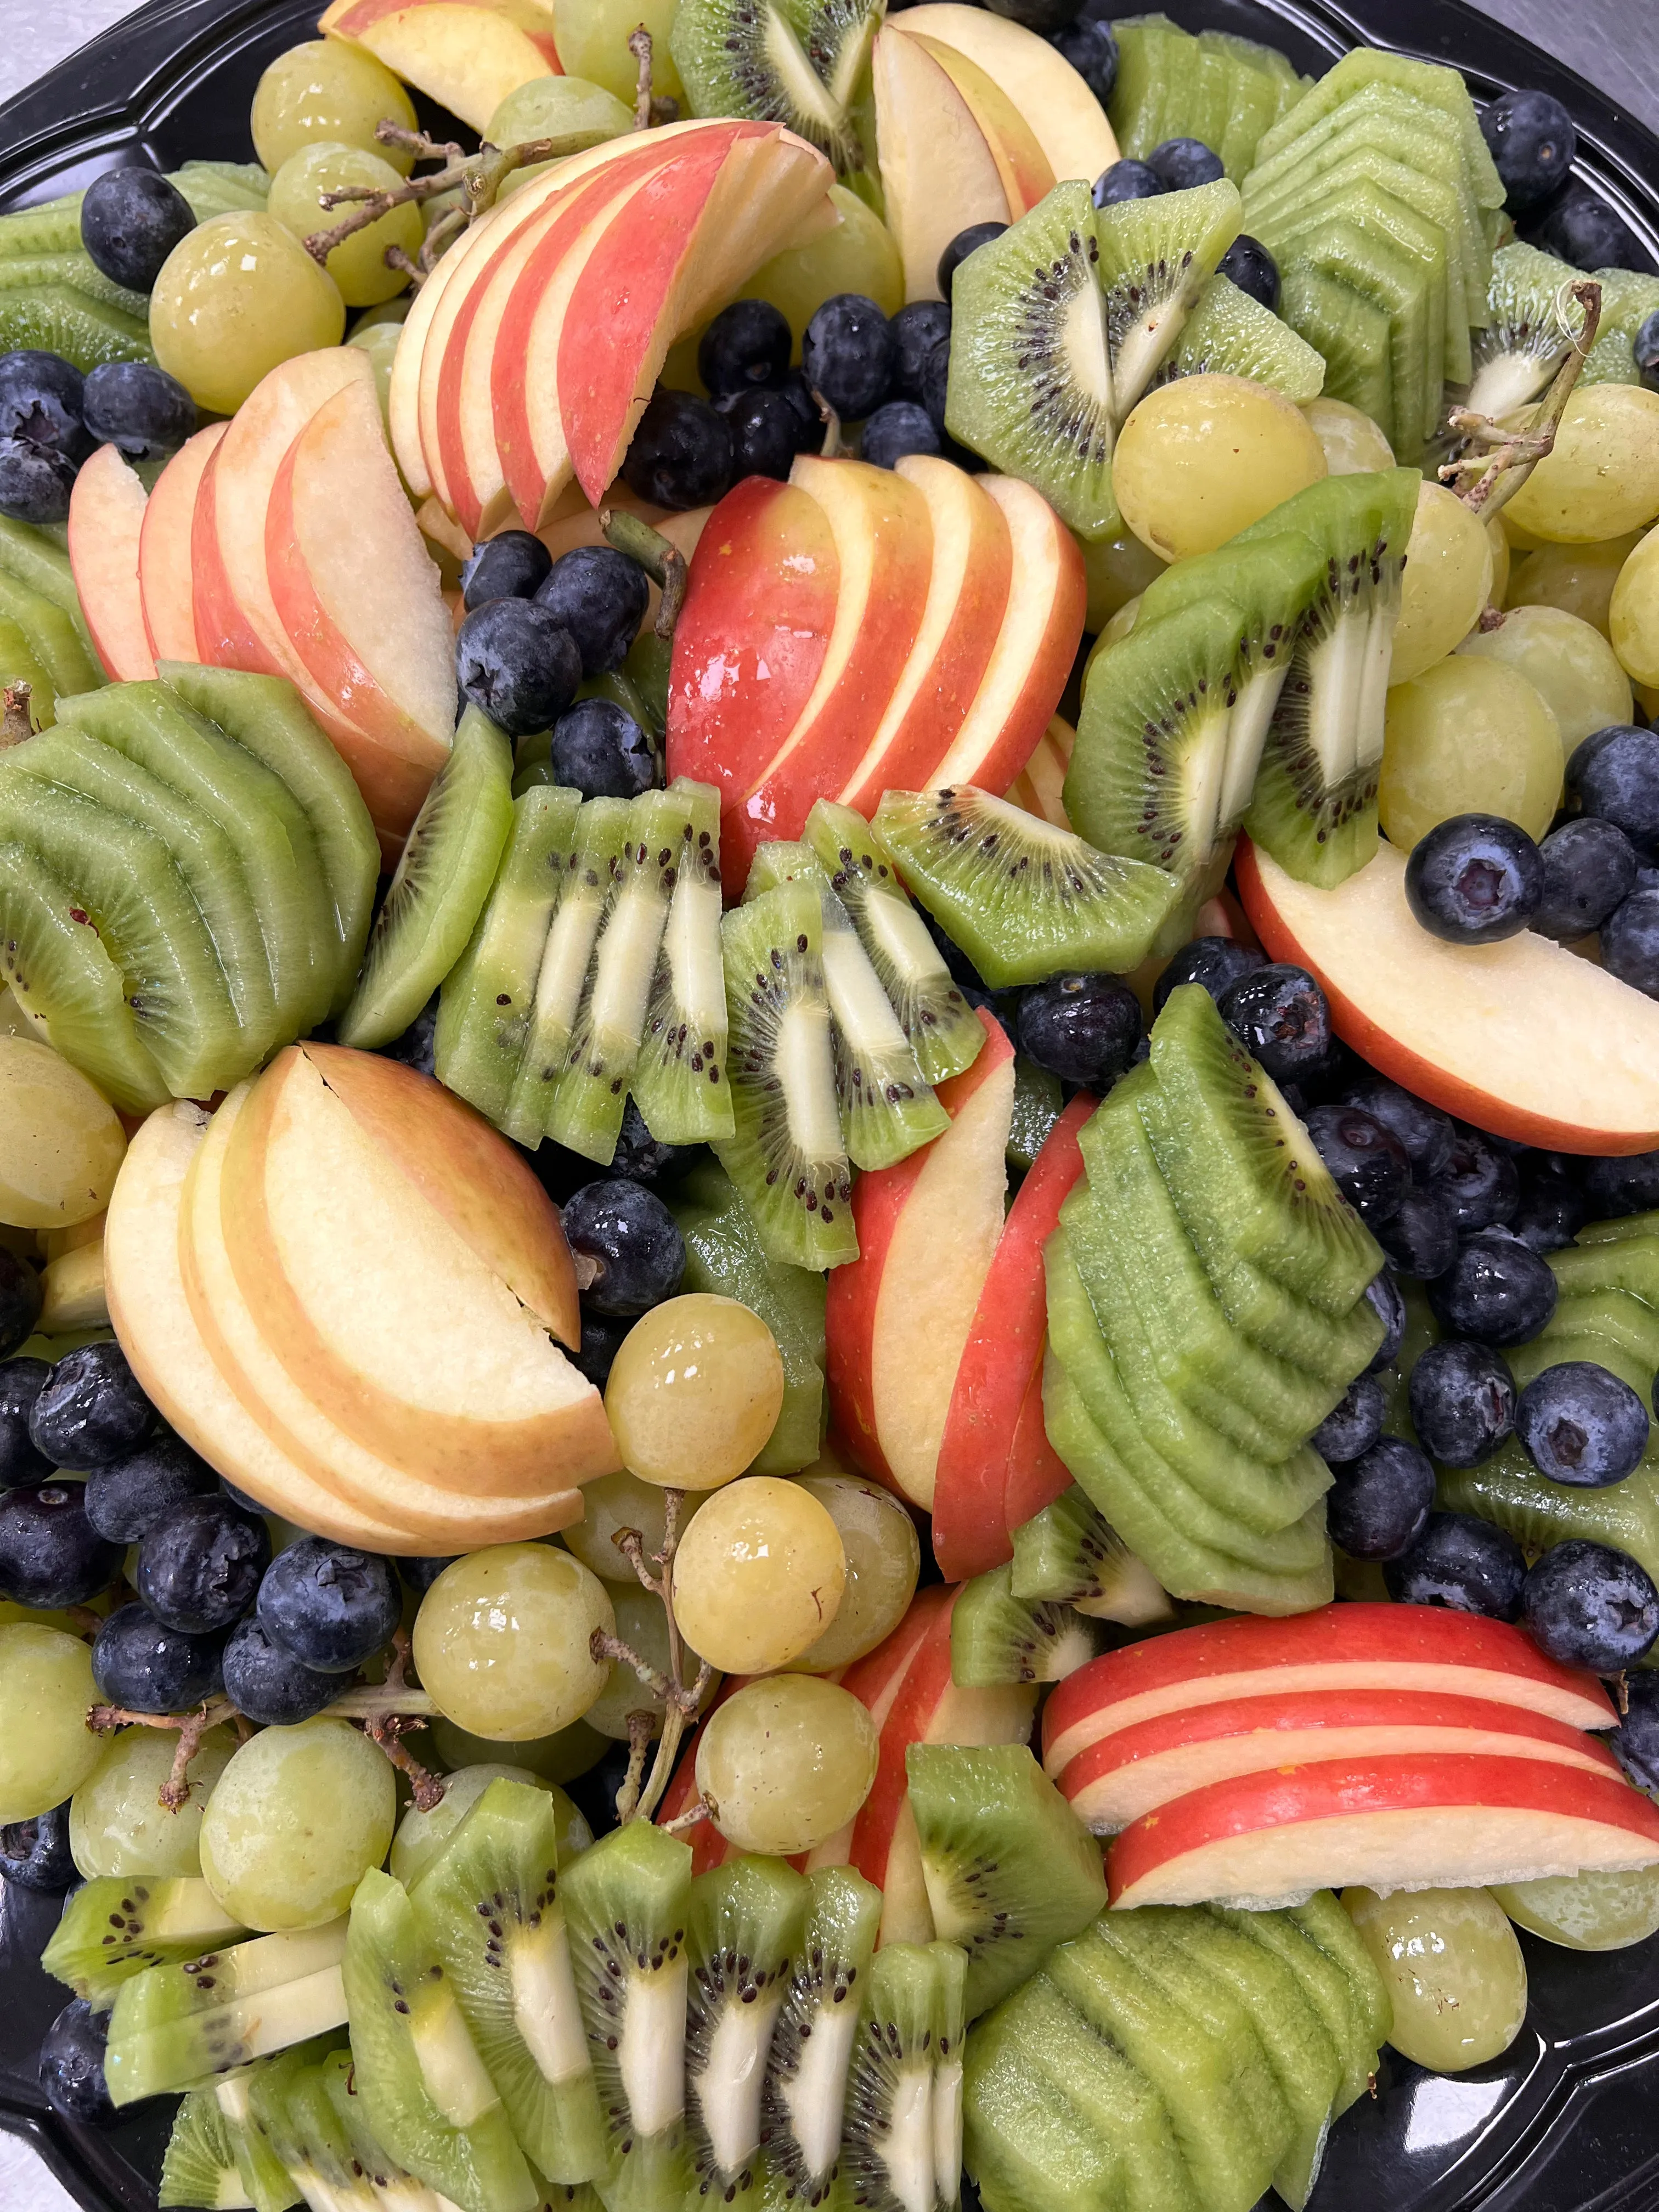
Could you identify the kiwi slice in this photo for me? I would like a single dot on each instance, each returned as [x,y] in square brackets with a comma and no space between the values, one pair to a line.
[996,1637]
[294,2118]
[488,1907]
[55,318]
[785,1154]
[54,227]
[1030,2144]
[679,1081]
[945,1034]
[627,1903]
[1023,900]
[114,1928]
[1070,1555]
[1150,56]
[34,559]
[198,2166]
[887,2152]
[1324,1985]
[439,888]
[174,2027]
[266,2182]
[20,664]
[1628,298]
[222,187]
[54,635]
[393,2189]
[73,272]
[801,62]
[748,1920]
[1350,331]
[1229,334]
[1323,1922]
[811,2054]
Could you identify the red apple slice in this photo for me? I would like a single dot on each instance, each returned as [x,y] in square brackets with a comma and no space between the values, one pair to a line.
[1138,1769]
[1068,121]
[938,174]
[164,548]
[106,516]
[979,1475]
[1263,1840]
[1522,1038]
[1356,1647]
[1021,165]
[467,58]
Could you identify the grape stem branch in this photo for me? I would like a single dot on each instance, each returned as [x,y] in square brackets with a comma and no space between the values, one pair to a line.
[680,1700]
[661,560]
[1488,478]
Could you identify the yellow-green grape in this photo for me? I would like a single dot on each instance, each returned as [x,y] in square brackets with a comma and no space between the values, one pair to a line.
[1453,1969]
[1448,581]
[1354,445]
[422,1835]
[1633,613]
[642,1625]
[46,1690]
[558,1758]
[883,1561]
[695,1391]
[1502,561]
[1577,579]
[395,311]
[1202,458]
[569,108]
[1602,477]
[1592,1911]
[118,1823]
[295,1822]
[758,1576]
[327,89]
[61,1141]
[1568,664]
[788,1761]
[358,264]
[1469,737]
[501,1641]
[591,37]
[380,343]
[613,1503]
[1117,571]
[235,296]
[860,255]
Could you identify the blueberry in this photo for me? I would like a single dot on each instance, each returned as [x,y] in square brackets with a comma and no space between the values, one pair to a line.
[1552,1211]
[130,220]
[21,1381]
[1377,1507]
[1614,775]
[602,1339]
[139,1662]
[1215,962]
[1586,1605]
[1368,1164]
[1497,1290]
[935,391]
[600,596]
[1091,50]
[765,433]
[848,354]
[419,1574]
[239,1497]
[681,453]
[511,567]
[599,750]
[92,1411]
[138,408]
[42,401]
[1462,1402]
[36,1855]
[1281,1017]
[1127,181]
[1580,1425]
[72,2063]
[1248,263]
[964,243]
[1625,1185]
[1481,1186]
[328,1606]
[747,344]
[518,664]
[1384,1297]
[917,330]
[1083,1029]
[1645,346]
[1353,1423]
[50,1552]
[1420,1235]
[808,420]
[1042,16]
[1630,942]
[1533,142]
[1426,1134]
[1635,1742]
[269,1685]
[899,428]
[1578,227]
[1181,164]
[199,1568]
[626,1243]
[35,482]
[416,1047]
[639,1157]
[1461,1563]
[1590,867]
[126,1499]
[1474,879]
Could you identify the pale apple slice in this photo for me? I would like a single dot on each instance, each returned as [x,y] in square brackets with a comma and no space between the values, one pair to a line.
[467,58]
[1069,123]
[937,172]
[1336,1647]
[1522,1038]
[1434,1822]
[106,516]
[164,548]
[534,18]
[1021,165]
[1040,786]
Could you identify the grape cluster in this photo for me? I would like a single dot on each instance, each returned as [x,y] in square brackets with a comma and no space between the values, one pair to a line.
[52,418]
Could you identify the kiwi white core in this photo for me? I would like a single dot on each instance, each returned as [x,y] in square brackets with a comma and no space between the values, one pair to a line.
[652,2059]
[450,2065]
[729,2087]
[815,2096]
[905,2146]
[545,2009]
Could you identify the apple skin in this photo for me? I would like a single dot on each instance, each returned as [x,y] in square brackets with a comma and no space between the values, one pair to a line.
[1522,1038]
[467,58]
[164,548]
[106,519]
[1040,786]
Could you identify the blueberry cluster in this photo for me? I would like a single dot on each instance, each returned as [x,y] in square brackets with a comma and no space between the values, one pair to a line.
[53,418]
[1534,143]
[1179,165]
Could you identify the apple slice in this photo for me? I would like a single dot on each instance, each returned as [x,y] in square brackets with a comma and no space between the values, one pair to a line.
[1336,1647]
[1523,1039]
[989,1460]
[1040,786]
[1021,165]
[1068,122]
[1138,1769]
[164,548]
[938,174]
[467,58]
[106,516]
[534,18]
[1264,1840]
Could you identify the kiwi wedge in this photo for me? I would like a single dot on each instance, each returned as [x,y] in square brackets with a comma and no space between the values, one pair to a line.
[1352,334]
[439,888]
[54,634]
[1229,334]
[293,2118]
[679,1081]
[811,2053]
[114,1928]
[57,318]
[1324,1983]
[888,2158]
[222,187]
[950,2052]
[198,2166]
[1628,298]
[801,62]
[747,1923]
[1070,1555]
[266,2182]
[996,1637]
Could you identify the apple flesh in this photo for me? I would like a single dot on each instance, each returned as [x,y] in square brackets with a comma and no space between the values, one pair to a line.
[106,519]
[1021,165]
[466,58]
[1067,121]
[938,174]
[1040,786]
[164,548]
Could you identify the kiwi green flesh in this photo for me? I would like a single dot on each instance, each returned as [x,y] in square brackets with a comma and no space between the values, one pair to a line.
[1439,86]
[265,2180]
[1509,1490]
[804,2087]
[1349,332]
[1229,334]
[1153,258]
[57,319]
[1033,2144]
[198,2166]
[19,665]
[53,632]
[187,2052]
[1628,298]
[997,1638]
[747,1924]
[1324,1985]
[887,2148]
[1070,1554]
[1137,95]
[680,1083]
[794,62]
[318,2145]
[113,1927]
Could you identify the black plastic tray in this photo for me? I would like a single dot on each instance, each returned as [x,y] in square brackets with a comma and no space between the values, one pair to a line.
[1568,2120]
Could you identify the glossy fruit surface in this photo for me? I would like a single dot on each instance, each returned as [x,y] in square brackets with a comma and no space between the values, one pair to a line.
[1354,1423]
[1587,1605]
[1180,165]
[1448,580]
[47,1751]
[1127,181]
[130,220]
[1425,1133]
[328,89]
[1420,1235]
[1630,940]
[1461,1562]
[1379,1505]
[1469,736]
[1497,1290]
[1614,774]
[118,1824]
[239,295]
[1580,579]
[964,243]
[1215,962]
[759,1575]
[600,749]
[1589,1912]
[1353,444]
[1280,1017]
[35,1853]
[139,408]
[1533,142]
[328,1606]
[1632,617]
[1568,664]
[1248,263]
[748,344]
[1602,477]
[1452,1969]
[626,1243]
[1581,1425]
[1083,1029]
[72,2064]
[883,1561]
[358,264]
[1462,1402]
[199,1567]
[518,664]
[50,1552]
[296,1820]
[612,1505]
[1368,1163]
[1481,1183]
[511,566]
[149,1668]
[268,1684]
[681,454]
[1589,868]
[1200,460]
[501,1641]
[788,1761]
[898,427]
[694,1392]
[1578,225]
[600,597]
[847,353]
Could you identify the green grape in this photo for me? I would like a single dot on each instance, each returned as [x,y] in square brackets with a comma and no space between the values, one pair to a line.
[558,1758]
[883,1560]
[46,1690]
[788,1761]
[422,1835]
[1453,1969]
[295,1822]
[1571,666]
[1633,613]
[591,37]
[358,265]
[1602,477]
[1354,445]
[643,1627]
[1578,579]
[1448,580]
[568,108]
[1469,737]
[380,343]
[1117,570]
[327,89]
[1200,460]
[395,311]
[118,1824]
[1592,1911]
[501,1641]
[860,255]
[613,1503]
[695,1391]
[236,296]
[759,1575]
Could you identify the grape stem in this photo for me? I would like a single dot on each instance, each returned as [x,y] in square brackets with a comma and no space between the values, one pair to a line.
[1488,479]
[649,110]
[641,1728]
[693,1817]
[680,1702]
[15,723]
[191,1727]
[662,560]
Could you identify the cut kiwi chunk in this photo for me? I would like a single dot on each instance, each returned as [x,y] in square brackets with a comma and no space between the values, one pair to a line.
[1145,45]
[265,2180]
[950,2044]
[628,1901]
[811,2049]
[393,2188]
[1031,2143]
[428,2097]
[55,319]
[54,227]
[1436,86]
[293,2116]
[944,1032]
[1323,1922]
[54,634]
[20,664]
[800,63]
[1324,1986]
[1155,257]
[996,1637]
[1628,298]
[1070,1555]
[439,888]
[679,1081]
[221,187]
[198,2166]
[114,1928]
[488,1907]
[747,1922]
[1350,331]
[785,1154]
[887,2152]
[1023,900]
[33,558]
[484,1010]
[74,272]
[1229,334]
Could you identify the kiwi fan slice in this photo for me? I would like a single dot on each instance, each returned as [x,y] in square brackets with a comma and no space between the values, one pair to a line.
[748,1920]
[996,1637]
[800,63]
[1229,334]
[114,1928]
[1070,1554]
[198,2166]
[679,1081]
[811,2049]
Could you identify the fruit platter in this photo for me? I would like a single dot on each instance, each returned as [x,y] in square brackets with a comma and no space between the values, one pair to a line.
[828,1112]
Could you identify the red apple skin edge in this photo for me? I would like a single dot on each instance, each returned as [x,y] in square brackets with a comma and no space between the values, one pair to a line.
[926,1677]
